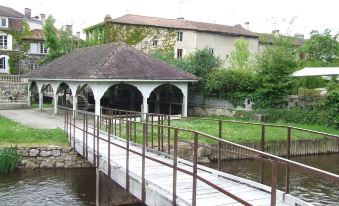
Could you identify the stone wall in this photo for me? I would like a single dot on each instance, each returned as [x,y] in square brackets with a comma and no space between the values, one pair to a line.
[199,105]
[51,157]
[207,153]
[13,92]
[30,59]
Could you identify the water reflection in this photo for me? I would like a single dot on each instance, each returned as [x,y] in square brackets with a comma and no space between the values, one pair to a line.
[76,187]
[307,187]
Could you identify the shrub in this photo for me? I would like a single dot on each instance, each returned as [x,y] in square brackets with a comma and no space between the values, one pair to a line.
[8,159]
[231,84]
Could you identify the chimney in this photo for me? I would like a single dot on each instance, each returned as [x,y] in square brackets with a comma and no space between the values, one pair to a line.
[78,34]
[42,18]
[247,25]
[69,29]
[181,18]
[107,18]
[275,32]
[28,13]
[300,36]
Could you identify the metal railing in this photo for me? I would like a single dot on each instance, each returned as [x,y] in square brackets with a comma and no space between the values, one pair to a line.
[10,78]
[165,119]
[152,134]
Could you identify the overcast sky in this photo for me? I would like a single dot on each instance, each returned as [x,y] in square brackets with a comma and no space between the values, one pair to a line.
[288,16]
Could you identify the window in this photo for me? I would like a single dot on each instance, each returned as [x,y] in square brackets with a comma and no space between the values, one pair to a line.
[43,49]
[179,53]
[32,66]
[3,42]
[179,36]
[155,42]
[2,63]
[4,22]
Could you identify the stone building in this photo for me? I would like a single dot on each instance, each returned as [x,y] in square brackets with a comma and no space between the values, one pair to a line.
[13,23]
[180,35]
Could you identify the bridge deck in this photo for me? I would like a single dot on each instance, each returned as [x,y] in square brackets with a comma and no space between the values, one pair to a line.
[159,178]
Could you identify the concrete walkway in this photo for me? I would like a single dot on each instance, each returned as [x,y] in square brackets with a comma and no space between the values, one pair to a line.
[35,118]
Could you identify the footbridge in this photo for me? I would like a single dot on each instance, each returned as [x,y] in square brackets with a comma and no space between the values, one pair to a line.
[143,157]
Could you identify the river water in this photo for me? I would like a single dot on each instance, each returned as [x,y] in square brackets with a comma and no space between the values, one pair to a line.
[77,186]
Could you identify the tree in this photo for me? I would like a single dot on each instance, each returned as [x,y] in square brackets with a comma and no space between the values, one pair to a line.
[58,42]
[322,49]
[240,57]
[274,66]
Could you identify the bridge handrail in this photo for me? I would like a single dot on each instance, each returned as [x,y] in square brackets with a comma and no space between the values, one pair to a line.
[256,154]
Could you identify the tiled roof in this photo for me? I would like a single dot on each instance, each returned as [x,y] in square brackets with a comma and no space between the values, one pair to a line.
[9,12]
[35,34]
[183,24]
[109,61]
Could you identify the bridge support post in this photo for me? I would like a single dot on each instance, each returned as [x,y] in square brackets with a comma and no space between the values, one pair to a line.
[41,100]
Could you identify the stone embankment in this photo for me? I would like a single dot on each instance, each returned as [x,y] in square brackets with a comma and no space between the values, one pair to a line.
[50,157]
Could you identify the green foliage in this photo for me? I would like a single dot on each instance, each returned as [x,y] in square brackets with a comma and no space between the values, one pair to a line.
[13,62]
[240,57]
[232,84]
[58,42]
[199,63]
[312,82]
[323,112]
[8,159]
[322,49]
[166,56]
[130,34]
[274,66]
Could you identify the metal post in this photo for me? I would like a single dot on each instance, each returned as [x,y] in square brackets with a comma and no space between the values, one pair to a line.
[288,154]
[168,134]
[274,183]
[109,147]
[219,145]
[262,148]
[98,128]
[83,136]
[162,133]
[97,187]
[195,160]
[175,156]
[127,157]
[158,132]
[86,116]
[143,183]
[94,124]
[74,129]
[152,132]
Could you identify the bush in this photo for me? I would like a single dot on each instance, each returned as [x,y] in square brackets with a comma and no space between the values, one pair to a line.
[8,159]
[232,84]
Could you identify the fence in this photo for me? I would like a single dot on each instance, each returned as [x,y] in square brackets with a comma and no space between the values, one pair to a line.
[153,133]
[10,78]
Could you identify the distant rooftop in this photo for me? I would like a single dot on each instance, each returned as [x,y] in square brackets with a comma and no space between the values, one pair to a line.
[317,71]
[132,19]
[11,13]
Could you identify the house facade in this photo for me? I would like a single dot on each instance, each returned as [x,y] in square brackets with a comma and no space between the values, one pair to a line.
[26,51]
[179,35]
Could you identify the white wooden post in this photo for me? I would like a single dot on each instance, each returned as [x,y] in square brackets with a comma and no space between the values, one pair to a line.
[75,106]
[144,108]
[55,101]
[184,106]
[41,100]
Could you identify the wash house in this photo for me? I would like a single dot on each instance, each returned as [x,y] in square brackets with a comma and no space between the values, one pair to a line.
[112,75]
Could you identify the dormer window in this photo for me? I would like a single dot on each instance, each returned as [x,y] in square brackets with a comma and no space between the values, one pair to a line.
[3,22]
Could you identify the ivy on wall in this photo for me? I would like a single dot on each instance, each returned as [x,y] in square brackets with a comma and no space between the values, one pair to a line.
[20,45]
[130,34]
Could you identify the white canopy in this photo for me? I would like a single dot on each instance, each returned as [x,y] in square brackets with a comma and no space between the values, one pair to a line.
[317,71]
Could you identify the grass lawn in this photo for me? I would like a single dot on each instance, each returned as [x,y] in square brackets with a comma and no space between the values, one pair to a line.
[251,133]
[14,134]
[35,105]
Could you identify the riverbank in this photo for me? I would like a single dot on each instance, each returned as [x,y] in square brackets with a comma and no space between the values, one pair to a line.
[15,134]
[50,157]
